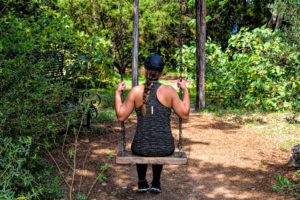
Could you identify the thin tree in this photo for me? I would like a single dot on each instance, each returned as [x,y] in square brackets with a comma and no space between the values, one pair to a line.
[200,6]
[135,56]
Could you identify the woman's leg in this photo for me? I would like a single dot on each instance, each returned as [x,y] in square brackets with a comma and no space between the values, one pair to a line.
[141,171]
[156,169]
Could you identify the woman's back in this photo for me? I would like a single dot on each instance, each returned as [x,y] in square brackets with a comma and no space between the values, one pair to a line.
[163,95]
[153,133]
[166,95]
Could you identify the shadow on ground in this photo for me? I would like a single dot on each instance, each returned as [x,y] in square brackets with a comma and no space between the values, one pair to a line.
[198,180]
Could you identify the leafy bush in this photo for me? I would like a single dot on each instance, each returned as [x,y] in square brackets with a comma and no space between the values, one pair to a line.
[23,172]
[28,125]
[257,70]
[33,107]
[287,186]
[283,183]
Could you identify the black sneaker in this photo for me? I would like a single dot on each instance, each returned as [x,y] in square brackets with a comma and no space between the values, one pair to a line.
[155,188]
[143,186]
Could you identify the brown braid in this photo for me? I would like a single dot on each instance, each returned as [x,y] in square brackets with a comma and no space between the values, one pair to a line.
[151,76]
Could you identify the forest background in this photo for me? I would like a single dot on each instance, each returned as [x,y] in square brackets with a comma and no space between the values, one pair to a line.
[252,63]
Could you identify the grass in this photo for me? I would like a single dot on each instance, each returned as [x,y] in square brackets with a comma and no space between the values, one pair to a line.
[106,115]
[276,125]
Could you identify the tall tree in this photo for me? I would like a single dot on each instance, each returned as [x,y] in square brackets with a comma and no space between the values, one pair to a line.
[135,56]
[200,6]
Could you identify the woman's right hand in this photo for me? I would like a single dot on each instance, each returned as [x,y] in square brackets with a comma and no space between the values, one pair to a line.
[121,87]
[182,85]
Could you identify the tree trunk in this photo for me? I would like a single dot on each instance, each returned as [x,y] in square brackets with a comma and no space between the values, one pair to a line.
[200,6]
[244,13]
[279,21]
[135,56]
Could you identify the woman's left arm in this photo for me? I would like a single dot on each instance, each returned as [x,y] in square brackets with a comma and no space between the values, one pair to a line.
[123,109]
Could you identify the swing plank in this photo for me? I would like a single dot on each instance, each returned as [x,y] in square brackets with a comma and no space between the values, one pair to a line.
[177,158]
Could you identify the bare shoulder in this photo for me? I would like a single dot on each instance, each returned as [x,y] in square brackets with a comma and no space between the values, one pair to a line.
[137,88]
[168,88]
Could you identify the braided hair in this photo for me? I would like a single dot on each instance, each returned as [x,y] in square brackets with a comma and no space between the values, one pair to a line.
[151,77]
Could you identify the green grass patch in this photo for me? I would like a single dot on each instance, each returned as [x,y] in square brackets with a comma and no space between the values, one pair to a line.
[193,94]
[106,115]
[288,144]
[107,98]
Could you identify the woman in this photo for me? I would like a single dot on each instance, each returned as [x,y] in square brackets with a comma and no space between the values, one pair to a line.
[153,103]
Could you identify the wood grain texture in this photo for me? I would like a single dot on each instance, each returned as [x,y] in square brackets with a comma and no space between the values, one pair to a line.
[200,6]
[135,41]
[177,158]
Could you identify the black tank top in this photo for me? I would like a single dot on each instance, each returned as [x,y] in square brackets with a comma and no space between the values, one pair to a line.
[153,136]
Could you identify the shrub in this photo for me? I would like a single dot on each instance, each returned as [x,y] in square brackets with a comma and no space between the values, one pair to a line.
[257,70]
[29,125]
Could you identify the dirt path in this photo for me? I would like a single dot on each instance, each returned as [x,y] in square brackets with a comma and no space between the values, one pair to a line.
[226,161]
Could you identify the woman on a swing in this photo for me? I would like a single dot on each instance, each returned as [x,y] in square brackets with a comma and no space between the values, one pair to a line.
[153,103]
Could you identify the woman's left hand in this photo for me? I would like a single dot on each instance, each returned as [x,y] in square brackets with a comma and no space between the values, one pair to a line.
[121,86]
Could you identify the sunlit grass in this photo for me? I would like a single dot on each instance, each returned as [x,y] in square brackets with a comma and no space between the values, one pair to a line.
[106,115]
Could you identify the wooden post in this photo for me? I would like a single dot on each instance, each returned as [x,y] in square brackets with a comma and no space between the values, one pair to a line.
[200,6]
[135,39]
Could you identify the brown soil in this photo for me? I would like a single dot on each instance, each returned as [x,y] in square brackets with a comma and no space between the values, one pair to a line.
[226,161]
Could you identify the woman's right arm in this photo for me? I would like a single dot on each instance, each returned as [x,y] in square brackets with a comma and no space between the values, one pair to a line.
[181,107]
[123,109]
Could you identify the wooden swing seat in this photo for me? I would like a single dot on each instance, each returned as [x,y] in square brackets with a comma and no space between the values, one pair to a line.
[177,158]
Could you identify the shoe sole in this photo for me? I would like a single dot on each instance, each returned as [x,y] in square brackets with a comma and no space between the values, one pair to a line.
[155,190]
[143,190]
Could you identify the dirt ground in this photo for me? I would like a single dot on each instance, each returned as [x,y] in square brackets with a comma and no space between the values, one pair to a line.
[225,161]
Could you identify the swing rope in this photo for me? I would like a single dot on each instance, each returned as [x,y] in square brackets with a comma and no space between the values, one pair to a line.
[122,138]
[180,142]
[122,142]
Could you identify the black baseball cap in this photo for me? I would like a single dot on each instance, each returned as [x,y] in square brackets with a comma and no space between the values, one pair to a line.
[154,63]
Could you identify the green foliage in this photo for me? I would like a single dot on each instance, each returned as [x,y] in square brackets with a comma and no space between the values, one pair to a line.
[298,173]
[106,115]
[253,69]
[289,10]
[283,183]
[102,177]
[257,70]
[222,15]
[71,153]
[28,126]
[23,172]
[29,101]
[158,26]
[80,196]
